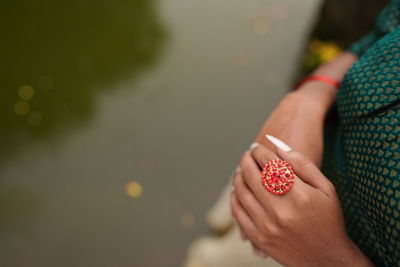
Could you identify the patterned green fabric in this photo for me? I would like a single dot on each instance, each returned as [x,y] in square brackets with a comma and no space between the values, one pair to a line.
[362,148]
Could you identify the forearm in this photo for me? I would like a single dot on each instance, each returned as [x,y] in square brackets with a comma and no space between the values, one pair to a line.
[298,118]
[314,98]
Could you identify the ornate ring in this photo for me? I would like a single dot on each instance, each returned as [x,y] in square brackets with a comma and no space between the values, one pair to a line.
[277,176]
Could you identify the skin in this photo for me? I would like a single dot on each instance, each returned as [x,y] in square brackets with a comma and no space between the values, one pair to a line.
[298,121]
[304,227]
[298,118]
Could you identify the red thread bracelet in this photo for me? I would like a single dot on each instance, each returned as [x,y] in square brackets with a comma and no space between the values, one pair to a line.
[322,78]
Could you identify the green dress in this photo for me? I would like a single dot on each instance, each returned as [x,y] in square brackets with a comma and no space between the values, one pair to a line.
[362,148]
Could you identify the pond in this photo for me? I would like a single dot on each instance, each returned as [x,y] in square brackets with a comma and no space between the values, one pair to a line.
[122,120]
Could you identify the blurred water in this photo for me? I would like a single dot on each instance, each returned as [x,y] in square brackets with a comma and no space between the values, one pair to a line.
[121,120]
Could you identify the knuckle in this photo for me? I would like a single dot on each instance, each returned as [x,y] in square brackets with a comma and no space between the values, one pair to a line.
[244,197]
[331,188]
[261,239]
[300,160]
[302,198]
[270,230]
[266,228]
[258,155]
[284,220]
[247,179]
[274,232]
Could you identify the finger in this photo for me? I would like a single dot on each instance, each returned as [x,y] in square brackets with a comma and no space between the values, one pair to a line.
[252,178]
[253,146]
[303,167]
[249,203]
[246,225]
[243,220]
[234,173]
[307,171]
[242,234]
[251,173]
[262,155]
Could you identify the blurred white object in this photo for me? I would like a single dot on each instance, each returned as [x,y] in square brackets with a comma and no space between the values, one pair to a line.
[228,250]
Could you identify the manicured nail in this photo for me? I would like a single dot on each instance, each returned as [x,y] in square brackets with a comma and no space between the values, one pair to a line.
[254,145]
[278,143]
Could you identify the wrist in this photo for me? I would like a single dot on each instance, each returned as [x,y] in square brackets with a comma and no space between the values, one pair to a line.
[352,256]
[359,259]
[336,69]
[320,78]
[317,95]
[321,92]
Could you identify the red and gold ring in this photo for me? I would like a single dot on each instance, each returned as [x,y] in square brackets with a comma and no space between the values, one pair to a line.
[277,177]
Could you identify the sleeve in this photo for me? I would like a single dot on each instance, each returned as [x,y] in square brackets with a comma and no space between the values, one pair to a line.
[387,21]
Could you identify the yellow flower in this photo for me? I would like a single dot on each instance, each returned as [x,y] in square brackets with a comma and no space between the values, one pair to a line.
[325,51]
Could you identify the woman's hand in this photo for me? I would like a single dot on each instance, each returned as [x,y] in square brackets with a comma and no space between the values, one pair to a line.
[299,117]
[304,227]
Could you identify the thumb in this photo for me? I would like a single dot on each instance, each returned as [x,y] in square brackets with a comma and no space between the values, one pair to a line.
[307,171]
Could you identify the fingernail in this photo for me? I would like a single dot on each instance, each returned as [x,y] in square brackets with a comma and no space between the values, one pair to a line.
[254,145]
[259,252]
[278,143]
[238,169]
[262,254]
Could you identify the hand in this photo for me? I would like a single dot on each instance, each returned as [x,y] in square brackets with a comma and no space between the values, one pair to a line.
[298,119]
[304,227]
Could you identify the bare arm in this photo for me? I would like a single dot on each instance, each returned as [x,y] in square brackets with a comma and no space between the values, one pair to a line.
[298,118]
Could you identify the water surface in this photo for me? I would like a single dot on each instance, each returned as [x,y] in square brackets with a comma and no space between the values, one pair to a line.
[121,120]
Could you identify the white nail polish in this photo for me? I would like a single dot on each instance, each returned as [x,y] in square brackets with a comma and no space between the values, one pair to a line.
[254,145]
[279,143]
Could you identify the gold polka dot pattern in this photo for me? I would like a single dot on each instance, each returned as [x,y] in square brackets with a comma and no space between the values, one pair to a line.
[362,150]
